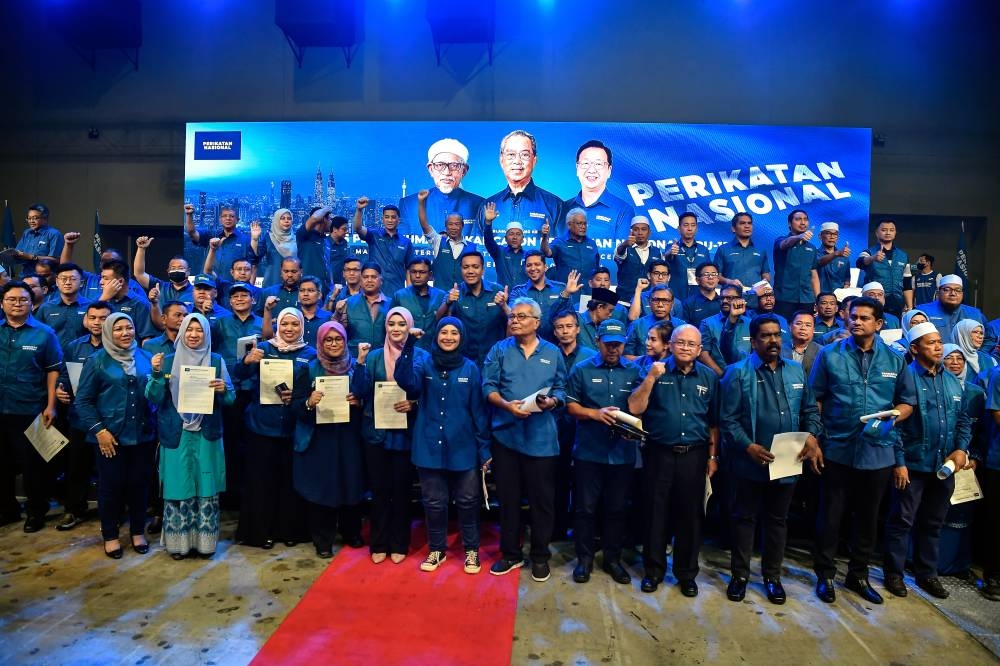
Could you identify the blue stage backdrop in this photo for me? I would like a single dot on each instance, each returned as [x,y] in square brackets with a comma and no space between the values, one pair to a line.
[657,170]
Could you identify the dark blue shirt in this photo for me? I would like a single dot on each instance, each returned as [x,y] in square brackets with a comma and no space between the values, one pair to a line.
[746,264]
[233,247]
[27,354]
[594,384]
[360,325]
[287,298]
[635,344]
[439,207]
[682,407]
[46,241]
[484,320]
[835,274]
[698,308]
[682,267]
[339,253]
[423,308]
[631,267]
[925,287]
[548,299]
[139,312]
[65,320]
[609,216]
[793,271]
[314,253]
[161,344]
[509,264]
[570,254]
[273,420]
[531,208]
[940,422]
[392,254]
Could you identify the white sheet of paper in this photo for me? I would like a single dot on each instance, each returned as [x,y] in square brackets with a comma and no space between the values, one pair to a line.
[244,345]
[708,493]
[196,396]
[274,371]
[333,408]
[47,441]
[966,487]
[785,447]
[891,335]
[529,405]
[73,369]
[388,394]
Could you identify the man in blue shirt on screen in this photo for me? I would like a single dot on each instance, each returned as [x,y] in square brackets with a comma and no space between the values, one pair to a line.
[522,201]
[608,215]
[447,164]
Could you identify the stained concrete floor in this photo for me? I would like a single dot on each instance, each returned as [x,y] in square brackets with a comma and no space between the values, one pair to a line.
[63,602]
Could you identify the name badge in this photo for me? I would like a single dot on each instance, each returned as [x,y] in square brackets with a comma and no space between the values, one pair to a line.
[692,278]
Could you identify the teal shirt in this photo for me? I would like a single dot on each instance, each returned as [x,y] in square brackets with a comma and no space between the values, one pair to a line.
[27,354]
[169,421]
[109,398]
[225,332]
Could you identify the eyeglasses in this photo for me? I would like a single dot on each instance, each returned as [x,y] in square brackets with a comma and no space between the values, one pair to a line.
[68,278]
[587,166]
[661,301]
[950,290]
[708,275]
[685,344]
[524,155]
[520,316]
[441,167]
[333,341]
[660,274]
[15,299]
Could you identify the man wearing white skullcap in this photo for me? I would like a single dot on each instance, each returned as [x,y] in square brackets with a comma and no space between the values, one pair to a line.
[948,309]
[874,290]
[834,267]
[447,164]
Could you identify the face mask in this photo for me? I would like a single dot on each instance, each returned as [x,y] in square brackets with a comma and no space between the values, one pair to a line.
[177,276]
[921,265]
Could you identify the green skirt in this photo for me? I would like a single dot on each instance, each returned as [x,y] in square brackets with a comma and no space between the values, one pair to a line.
[196,468]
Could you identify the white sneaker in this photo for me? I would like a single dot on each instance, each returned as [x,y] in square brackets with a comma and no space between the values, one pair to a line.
[433,561]
[472,565]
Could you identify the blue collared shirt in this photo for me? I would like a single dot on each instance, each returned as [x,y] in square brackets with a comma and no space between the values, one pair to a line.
[635,344]
[314,253]
[945,321]
[835,274]
[392,254]
[940,422]
[161,344]
[682,268]
[27,354]
[485,321]
[682,408]
[439,207]
[793,271]
[65,319]
[531,207]
[570,254]
[46,241]
[631,267]
[548,299]
[746,264]
[594,384]
[225,332]
[888,272]
[139,312]
[509,264]
[287,298]
[233,247]
[515,377]
[698,308]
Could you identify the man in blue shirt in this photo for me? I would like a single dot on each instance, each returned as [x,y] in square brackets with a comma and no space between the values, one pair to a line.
[679,402]
[65,315]
[176,287]
[851,378]
[340,249]
[447,164]
[386,246]
[30,362]
[937,433]
[609,214]
[287,291]
[827,308]
[521,201]
[38,240]
[600,308]
[524,380]
[833,265]
[314,246]
[634,256]
[241,271]
[115,290]
[603,460]
[421,299]
[448,249]
[661,302]
[796,274]
[92,288]
[887,264]
[574,252]
[684,255]
[725,337]
[166,342]
[704,302]
[363,315]
[480,305]
[550,295]
[923,283]
[233,243]
[762,396]
[508,258]
[948,310]
[741,263]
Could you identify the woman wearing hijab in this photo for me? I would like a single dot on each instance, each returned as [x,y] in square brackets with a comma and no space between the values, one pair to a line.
[192,460]
[271,509]
[910,319]
[387,452]
[113,410]
[275,246]
[451,437]
[969,335]
[327,468]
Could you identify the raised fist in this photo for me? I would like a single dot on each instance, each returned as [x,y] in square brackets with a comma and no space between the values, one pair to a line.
[362,202]
[189,209]
[143,241]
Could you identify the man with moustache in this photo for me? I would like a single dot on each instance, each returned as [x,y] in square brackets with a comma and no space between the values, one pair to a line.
[550,295]
[234,244]
[661,302]
[834,267]
[286,291]
[363,315]
[421,299]
[446,249]
[386,246]
[725,337]
[481,306]
[447,164]
[802,348]
[609,214]
[509,257]
[948,309]
[740,262]
[704,302]
[573,252]
[796,275]
[634,257]
[39,240]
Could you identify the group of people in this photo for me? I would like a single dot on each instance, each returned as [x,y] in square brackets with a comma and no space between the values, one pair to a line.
[322,391]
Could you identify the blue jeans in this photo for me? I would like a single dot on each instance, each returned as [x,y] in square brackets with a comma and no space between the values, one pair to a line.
[434,487]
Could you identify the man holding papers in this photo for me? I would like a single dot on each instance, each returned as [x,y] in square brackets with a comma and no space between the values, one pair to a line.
[938,433]
[603,460]
[763,397]
[852,378]
[524,380]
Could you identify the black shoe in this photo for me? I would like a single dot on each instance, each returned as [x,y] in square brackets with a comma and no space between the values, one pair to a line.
[324,553]
[894,583]
[737,589]
[933,587]
[177,556]
[617,573]
[32,525]
[268,544]
[540,571]
[862,588]
[991,589]
[505,566]
[155,525]
[141,548]
[689,587]
[115,554]
[356,542]
[581,574]
[649,584]
[825,591]
[775,591]
[69,521]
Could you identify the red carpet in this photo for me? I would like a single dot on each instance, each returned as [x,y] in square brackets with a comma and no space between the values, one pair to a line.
[361,613]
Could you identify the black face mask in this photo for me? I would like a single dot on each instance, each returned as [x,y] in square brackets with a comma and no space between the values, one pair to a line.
[921,265]
[177,276]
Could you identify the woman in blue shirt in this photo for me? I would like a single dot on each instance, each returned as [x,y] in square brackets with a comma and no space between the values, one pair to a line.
[113,411]
[192,460]
[387,452]
[451,437]
[327,468]
[271,509]
[657,344]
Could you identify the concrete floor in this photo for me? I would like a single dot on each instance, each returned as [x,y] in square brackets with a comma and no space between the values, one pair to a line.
[63,602]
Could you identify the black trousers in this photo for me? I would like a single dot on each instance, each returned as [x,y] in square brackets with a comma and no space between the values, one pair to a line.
[271,508]
[770,500]
[674,487]
[324,520]
[918,511]
[79,464]
[123,479]
[391,474]
[17,452]
[518,476]
[599,484]
[859,492]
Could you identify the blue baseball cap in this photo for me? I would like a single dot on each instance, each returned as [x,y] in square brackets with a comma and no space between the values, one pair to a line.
[611,330]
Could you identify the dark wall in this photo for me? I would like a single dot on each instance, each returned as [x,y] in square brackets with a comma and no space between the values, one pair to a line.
[920,72]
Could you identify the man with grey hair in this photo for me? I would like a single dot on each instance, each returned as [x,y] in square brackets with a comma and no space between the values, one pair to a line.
[524,379]
[522,200]
[447,164]
[634,256]
[575,251]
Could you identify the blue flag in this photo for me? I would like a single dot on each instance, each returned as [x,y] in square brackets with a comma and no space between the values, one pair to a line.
[98,244]
[962,261]
[8,237]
